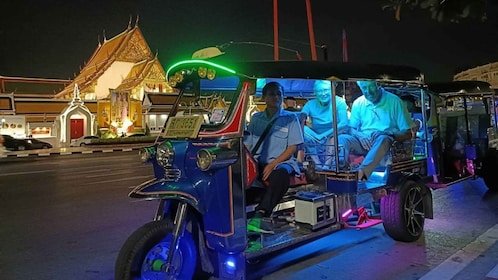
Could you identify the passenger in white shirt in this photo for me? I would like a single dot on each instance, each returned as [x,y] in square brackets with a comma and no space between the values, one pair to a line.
[378,117]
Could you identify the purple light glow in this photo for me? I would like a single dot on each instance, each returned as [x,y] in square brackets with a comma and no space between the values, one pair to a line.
[347,213]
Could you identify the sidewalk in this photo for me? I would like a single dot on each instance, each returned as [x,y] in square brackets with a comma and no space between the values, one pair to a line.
[74,150]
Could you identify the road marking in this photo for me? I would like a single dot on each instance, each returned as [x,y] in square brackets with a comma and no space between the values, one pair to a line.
[87,152]
[118,180]
[106,174]
[107,151]
[493,274]
[458,261]
[25,173]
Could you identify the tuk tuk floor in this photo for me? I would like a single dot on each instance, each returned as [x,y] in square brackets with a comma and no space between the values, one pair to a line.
[286,234]
[443,182]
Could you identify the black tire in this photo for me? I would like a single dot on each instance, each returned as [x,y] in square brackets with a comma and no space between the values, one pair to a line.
[82,145]
[146,242]
[488,169]
[403,212]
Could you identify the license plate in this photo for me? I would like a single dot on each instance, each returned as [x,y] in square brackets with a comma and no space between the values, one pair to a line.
[183,127]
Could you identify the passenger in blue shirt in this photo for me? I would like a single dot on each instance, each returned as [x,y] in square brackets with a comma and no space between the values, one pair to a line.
[378,117]
[319,131]
[276,153]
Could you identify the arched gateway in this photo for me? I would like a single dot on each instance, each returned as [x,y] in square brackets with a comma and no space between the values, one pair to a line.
[75,120]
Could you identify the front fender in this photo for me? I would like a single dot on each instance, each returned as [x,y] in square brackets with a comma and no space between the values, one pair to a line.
[182,190]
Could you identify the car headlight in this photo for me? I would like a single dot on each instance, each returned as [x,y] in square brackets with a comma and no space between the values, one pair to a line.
[213,158]
[165,154]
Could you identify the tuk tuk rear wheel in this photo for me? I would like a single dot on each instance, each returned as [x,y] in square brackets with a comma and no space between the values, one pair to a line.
[145,252]
[403,212]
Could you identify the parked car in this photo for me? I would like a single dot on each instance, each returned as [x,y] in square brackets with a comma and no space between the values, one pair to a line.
[14,144]
[82,141]
[33,144]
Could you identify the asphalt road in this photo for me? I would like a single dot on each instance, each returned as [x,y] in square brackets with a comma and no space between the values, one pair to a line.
[66,217]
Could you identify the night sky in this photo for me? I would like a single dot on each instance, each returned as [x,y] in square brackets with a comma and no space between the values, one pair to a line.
[53,38]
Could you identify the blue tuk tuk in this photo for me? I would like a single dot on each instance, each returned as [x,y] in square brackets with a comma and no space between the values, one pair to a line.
[203,172]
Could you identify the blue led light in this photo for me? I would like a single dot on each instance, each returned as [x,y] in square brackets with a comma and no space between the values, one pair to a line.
[230,265]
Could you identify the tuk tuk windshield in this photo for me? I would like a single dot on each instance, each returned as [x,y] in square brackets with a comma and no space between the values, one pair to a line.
[209,100]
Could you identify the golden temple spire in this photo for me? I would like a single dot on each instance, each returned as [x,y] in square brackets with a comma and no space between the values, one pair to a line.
[129,22]
[76,94]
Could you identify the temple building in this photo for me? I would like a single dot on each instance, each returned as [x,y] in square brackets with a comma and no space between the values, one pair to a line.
[487,73]
[27,106]
[112,86]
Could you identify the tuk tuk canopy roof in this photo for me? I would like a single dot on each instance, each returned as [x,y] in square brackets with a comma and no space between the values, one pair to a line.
[461,88]
[328,70]
[320,70]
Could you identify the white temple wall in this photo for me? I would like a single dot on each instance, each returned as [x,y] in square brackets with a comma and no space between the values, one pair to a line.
[112,78]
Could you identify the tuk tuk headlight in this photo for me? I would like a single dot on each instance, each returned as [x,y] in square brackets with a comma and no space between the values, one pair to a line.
[146,153]
[213,158]
[165,154]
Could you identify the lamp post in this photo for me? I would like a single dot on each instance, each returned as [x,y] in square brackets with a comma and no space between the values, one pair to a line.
[211,52]
[275,30]
[310,29]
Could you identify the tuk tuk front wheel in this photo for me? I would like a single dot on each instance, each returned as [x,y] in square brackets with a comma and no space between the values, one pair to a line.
[144,254]
[403,212]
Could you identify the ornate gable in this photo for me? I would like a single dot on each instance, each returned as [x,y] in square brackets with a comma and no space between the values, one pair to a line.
[149,75]
[156,72]
[135,49]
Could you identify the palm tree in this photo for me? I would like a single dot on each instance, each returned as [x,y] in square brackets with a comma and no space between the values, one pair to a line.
[442,10]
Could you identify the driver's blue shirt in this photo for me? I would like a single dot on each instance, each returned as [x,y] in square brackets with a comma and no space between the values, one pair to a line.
[286,131]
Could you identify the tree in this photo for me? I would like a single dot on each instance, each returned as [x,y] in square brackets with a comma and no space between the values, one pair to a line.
[442,10]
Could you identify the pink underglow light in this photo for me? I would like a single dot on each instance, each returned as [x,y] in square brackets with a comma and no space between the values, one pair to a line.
[347,213]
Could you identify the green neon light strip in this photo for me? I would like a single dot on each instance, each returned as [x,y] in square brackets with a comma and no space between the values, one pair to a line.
[196,61]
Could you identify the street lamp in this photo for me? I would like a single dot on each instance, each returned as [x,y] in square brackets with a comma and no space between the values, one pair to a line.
[218,50]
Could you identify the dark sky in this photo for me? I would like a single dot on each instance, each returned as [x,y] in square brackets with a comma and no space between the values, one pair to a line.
[53,38]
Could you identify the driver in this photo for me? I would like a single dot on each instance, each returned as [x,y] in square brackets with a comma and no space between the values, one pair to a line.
[275,155]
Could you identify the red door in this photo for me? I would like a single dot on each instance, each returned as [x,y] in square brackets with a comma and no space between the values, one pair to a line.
[76,128]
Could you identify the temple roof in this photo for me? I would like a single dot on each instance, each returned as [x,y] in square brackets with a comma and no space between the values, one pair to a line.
[129,46]
[32,87]
[143,72]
